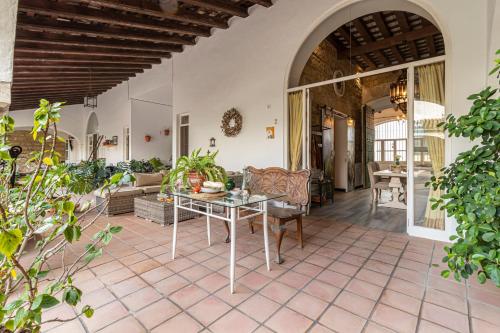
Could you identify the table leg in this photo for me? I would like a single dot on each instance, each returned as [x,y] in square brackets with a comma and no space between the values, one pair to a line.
[233,248]
[176,218]
[266,234]
[208,223]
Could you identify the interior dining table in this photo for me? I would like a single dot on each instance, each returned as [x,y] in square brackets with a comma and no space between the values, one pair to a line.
[397,188]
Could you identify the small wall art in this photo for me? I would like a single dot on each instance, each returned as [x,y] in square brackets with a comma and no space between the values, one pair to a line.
[270,132]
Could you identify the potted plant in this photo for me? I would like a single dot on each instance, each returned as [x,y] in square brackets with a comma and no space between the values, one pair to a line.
[396,166]
[472,190]
[193,170]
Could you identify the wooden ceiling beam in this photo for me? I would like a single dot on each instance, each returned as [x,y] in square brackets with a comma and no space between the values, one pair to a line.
[56,95]
[38,48]
[31,72]
[264,3]
[220,6]
[379,20]
[36,100]
[429,40]
[395,40]
[151,9]
[48,25]
[33,65]
[40,56]
[63,82]
[31,37]
[45,77]
[84,90]
[397,54]
[57,10]
[402,21]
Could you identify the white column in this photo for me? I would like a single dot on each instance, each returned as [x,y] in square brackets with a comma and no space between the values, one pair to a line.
[8,10]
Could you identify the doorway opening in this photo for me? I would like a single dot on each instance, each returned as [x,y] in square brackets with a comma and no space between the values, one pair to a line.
[370,96]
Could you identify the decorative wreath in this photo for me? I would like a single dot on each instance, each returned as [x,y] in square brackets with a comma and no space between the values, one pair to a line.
[232,121]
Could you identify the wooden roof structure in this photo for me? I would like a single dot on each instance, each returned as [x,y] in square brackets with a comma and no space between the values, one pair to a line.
[387,38]
[69,49]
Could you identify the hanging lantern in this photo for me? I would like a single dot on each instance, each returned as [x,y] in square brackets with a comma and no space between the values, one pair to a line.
[398,94]
[90,102]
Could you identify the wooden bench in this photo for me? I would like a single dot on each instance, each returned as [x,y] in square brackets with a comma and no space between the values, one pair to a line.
[296,186]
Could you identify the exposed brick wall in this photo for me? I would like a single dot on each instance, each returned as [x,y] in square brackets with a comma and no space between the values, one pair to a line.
[25,140]
[320,67]
[377,86]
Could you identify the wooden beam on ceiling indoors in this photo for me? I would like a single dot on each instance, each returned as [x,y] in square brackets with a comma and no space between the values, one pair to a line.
[62,58]
[32,63]
[150,8]
[46,38]
[39,49]
[395,40]
[221,6]
[42,7]
[56,77]
[48,25]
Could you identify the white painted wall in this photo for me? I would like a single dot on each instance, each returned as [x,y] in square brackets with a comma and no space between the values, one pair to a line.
[8,8]
[114,109]
[114,112]
[151,119]
[247,67]
[72,123]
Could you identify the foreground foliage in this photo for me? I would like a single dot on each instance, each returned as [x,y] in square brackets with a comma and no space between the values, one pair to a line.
[472,190]
[41,209]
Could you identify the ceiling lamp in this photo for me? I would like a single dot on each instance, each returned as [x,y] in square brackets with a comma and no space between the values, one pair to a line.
[398,93]
[90,102]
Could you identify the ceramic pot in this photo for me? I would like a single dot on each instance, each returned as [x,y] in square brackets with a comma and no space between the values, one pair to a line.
[195,178]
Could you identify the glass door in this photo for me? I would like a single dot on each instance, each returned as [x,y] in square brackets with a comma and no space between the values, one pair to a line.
[427,149]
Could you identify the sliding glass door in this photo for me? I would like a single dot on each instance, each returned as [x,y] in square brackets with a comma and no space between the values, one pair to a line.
[427,149]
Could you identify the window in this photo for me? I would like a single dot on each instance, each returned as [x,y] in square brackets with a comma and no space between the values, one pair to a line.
[183,134]
[390,141]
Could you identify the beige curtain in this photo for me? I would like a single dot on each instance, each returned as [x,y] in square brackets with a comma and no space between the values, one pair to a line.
[295,129]
[431,87]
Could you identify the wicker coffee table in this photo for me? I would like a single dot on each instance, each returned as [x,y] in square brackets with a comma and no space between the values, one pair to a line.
[148,207]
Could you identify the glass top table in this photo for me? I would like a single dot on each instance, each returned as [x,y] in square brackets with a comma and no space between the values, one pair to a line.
[237,208]
[229,200]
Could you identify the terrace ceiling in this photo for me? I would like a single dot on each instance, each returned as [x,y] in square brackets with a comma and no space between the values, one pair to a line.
[69,49]
[387,38]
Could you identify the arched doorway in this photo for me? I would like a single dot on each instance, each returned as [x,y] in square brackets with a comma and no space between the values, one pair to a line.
[92,137]
[378,53]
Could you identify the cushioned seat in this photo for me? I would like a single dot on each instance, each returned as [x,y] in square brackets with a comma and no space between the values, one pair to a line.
[151,189]
[283,213]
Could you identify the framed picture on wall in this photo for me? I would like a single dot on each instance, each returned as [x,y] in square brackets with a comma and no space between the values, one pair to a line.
[270,132]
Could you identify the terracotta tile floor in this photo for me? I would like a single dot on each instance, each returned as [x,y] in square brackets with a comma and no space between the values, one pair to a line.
[348,278]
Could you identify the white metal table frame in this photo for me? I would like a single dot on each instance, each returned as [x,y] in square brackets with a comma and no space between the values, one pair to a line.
[233,214]
[396,185]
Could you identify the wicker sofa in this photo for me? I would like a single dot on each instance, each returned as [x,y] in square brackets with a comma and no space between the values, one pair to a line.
[122,201]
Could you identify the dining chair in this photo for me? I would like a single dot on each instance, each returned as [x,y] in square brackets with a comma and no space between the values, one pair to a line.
[376,183]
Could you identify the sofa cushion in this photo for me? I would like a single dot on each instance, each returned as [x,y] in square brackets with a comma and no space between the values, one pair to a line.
[146,179]
[151,189]
[122,192]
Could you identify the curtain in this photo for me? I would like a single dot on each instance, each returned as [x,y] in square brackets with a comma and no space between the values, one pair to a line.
[431,87]
[295,129]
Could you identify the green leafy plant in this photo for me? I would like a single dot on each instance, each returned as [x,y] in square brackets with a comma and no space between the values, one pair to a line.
[88,176]
[472,190]
[41,209]
[157,164]
[203,165]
